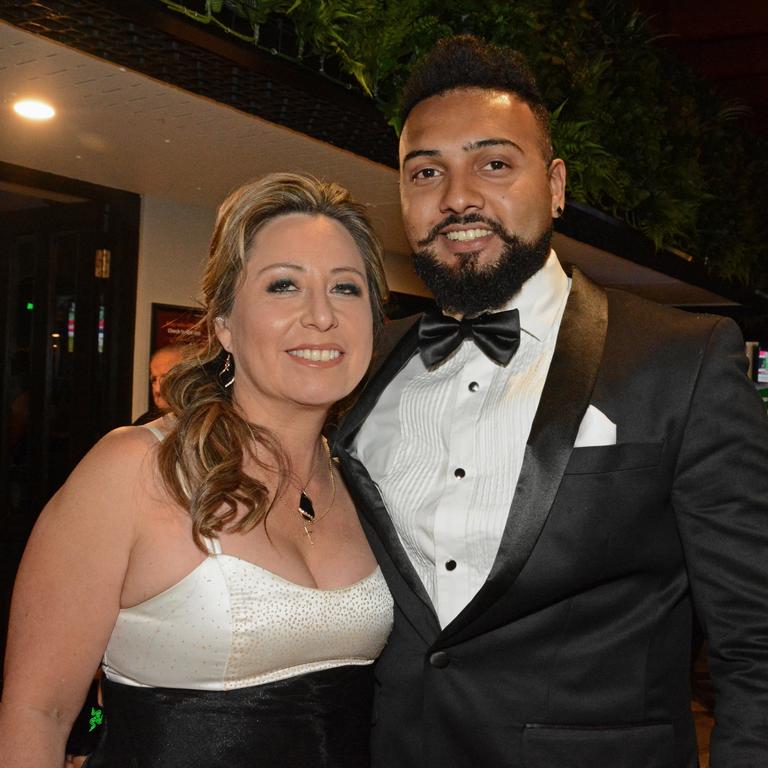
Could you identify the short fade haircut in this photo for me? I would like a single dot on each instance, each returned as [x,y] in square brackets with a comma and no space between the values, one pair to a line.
[466,61]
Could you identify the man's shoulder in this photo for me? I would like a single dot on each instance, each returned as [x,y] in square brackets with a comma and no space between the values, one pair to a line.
[394,330]
[646,315]
[390,336]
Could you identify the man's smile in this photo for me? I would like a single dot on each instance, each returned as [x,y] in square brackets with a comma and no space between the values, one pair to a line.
[462,235]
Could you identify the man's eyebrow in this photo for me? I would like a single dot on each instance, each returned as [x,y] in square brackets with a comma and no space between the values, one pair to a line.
[470,147]
[421,153]
[491,143]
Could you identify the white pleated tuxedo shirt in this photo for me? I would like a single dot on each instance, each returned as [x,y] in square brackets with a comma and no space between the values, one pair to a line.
[445,446]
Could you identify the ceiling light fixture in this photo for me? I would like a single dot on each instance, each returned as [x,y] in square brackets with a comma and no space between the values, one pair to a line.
[34,109]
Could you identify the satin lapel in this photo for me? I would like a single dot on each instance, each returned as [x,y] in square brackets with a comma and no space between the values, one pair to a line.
[399,343]
[402,341]
[564,400]
[403,581]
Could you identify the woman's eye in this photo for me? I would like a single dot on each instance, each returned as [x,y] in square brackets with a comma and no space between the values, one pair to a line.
[347,289]
[284,285]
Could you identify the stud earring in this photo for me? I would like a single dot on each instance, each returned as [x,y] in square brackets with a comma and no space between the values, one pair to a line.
[558,211]
[227,372]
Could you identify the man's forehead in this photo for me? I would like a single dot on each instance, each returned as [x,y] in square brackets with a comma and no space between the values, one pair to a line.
[492,95]
[164,356]
[467,116]
[491,98]
[465,104]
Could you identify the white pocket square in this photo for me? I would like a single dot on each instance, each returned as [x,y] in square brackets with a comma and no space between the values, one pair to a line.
[595,429]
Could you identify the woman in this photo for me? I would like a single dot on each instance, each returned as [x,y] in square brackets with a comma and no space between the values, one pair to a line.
[214,558]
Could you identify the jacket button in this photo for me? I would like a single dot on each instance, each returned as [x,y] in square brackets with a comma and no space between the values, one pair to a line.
[439,659]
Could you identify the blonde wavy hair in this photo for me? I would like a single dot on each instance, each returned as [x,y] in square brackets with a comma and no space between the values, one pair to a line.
[201,460]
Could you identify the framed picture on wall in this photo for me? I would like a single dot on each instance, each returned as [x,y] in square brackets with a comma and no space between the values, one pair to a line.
[173,324]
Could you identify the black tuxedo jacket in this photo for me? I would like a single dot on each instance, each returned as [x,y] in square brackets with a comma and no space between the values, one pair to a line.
[575,652]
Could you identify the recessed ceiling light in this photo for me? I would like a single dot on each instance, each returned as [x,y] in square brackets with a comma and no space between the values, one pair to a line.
[34,109]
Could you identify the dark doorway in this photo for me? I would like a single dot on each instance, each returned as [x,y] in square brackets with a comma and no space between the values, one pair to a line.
[68,261]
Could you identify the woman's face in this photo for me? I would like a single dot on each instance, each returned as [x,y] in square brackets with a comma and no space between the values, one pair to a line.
[300,329]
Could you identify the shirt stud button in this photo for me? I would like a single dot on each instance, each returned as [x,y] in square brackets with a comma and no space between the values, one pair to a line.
[473,386]
[450,565]
[459,472]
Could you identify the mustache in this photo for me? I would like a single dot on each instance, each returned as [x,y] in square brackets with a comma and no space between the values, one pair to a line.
[470,218]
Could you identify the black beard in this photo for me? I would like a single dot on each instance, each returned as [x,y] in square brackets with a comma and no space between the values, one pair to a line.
[467,289]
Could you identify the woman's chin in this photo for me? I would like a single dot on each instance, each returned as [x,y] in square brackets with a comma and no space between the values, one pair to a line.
[320,401]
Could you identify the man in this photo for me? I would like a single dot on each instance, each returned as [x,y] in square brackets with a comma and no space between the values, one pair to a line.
[549,509]
[160,364]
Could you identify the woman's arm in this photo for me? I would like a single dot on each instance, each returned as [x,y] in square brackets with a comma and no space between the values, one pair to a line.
[67,597]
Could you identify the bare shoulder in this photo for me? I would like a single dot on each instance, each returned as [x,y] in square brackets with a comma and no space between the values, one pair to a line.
[121,453]
[70,581]
[109,483]
[126,442]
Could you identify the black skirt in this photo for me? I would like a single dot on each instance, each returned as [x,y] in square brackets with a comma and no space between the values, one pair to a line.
[321,719]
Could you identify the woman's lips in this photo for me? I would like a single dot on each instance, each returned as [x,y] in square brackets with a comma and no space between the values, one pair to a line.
[316,355]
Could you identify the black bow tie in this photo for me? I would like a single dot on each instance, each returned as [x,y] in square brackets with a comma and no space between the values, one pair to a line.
[497,335]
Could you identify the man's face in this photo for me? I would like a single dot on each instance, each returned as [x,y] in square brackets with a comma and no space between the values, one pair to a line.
[477,194]
[159,366]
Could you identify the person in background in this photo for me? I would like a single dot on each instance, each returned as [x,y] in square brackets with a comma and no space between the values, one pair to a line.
[160,364]
[213,558]
[553,476]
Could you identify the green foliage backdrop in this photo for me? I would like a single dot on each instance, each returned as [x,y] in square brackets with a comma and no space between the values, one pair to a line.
[643,138]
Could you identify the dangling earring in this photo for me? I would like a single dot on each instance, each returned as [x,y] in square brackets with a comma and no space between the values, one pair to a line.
[227,372]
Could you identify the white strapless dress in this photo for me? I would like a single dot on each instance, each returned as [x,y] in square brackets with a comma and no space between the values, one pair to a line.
[232,624]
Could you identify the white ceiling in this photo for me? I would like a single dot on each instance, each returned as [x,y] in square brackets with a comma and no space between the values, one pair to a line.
[118,128]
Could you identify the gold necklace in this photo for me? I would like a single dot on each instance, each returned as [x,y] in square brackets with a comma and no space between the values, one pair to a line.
[306,508]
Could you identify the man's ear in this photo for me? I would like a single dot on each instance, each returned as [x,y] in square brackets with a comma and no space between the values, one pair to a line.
[223,334]
[556,176]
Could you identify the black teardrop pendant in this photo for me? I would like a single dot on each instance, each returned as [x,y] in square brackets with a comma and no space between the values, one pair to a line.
[306,508]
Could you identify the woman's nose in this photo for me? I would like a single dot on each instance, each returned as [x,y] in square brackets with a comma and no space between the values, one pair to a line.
[319,312]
